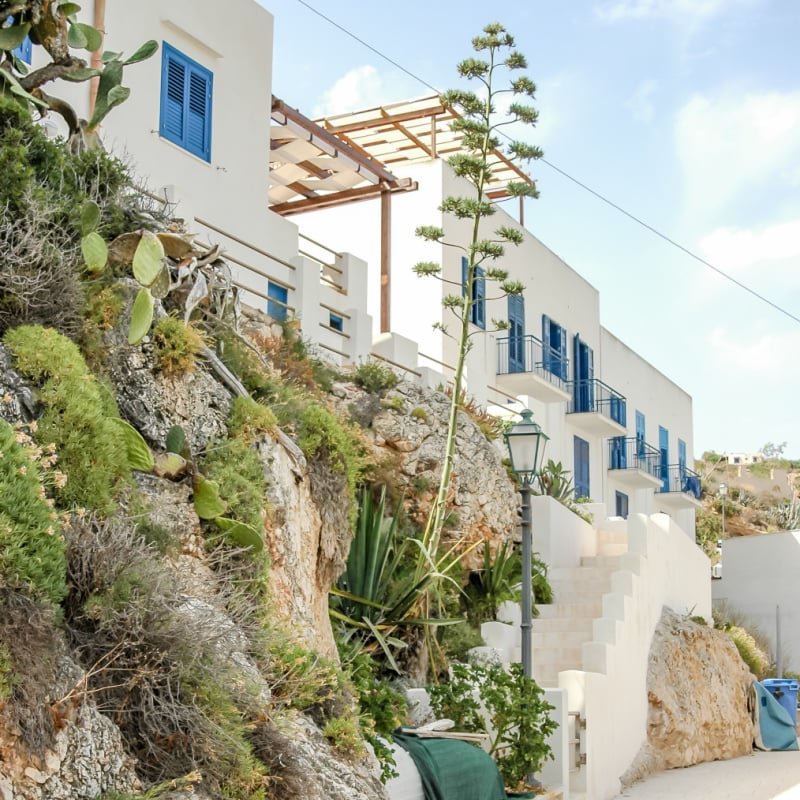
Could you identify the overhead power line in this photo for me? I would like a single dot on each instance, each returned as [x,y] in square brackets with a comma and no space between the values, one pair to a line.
[569,177]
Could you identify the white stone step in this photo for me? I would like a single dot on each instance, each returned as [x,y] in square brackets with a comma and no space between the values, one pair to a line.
[559,640]
[606,549]
[589,610]
[559,656]
[582,573]
[608,562]
[563,625]
[597,584]
[581,596]
[612,537]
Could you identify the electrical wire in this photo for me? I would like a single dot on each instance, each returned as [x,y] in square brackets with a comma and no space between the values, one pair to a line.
[569,177]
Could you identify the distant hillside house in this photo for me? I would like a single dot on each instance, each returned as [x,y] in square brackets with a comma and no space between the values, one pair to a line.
[743,459]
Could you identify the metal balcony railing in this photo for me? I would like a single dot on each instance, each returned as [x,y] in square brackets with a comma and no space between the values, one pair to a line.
[528,354]
[592,395]
[679,478]
[631,452]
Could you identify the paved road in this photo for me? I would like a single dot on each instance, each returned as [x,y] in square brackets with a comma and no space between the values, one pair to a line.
[762,776]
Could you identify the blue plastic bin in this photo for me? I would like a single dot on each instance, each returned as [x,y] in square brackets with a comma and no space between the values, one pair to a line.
[784,690]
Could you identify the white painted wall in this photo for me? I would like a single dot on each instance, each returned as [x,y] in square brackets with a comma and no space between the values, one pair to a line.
[758,574]
[663,403]
[663,567]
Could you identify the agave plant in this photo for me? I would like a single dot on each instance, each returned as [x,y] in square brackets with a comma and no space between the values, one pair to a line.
[384,591]
[555,481]
[498,581]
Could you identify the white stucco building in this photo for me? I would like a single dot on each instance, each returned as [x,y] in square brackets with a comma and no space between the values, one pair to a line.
[290,200]
[759,576]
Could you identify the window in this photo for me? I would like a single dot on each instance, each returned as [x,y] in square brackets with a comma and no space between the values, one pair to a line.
[554,348]
[478,312]
[278,300]
[24,51]
[619,455]
[516,333]
[186,103]
[336,322]
[581,467]
[663,447]
[583,370]
[640,434]
[621,504]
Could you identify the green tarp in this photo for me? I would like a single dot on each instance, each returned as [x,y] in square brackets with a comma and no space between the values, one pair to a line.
[453,770]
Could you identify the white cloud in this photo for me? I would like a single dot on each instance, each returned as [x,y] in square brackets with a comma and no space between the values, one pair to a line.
[365,87]
[730,143]
[640,102]
[736,249]
[677,10]
[772,352]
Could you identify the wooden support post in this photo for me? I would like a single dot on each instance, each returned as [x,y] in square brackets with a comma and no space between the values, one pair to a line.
[386,259]
[522,210]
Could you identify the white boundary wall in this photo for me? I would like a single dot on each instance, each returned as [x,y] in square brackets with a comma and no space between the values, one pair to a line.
[663,567]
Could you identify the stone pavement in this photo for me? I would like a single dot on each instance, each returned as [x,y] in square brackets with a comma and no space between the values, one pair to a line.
[761,776]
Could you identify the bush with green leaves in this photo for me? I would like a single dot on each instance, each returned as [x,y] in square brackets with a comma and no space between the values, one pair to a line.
[374,377]
[31,544]
[504,704]
[79,417]
[176,345]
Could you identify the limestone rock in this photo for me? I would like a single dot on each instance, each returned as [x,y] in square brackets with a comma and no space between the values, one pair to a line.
[17,397]
[153,402]
[698,689]
[410,427]
[305,552]
[86,759]
[313,771]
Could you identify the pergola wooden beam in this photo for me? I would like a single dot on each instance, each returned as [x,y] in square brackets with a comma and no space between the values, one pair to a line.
[424,113]
[346,196]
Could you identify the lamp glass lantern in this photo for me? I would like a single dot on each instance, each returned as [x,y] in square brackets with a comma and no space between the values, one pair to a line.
[526,442]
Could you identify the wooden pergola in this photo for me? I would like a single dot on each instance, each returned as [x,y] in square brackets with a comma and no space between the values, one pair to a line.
[348,157]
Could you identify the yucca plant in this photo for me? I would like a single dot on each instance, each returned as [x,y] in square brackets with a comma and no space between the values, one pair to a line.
[555,481]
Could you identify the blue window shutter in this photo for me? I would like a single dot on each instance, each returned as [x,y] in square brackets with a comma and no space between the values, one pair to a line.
[186,92]
[621,504]
[663,446]
[464,272]
[546,360]
[581,467]
[276,305]
[479,299]
[198,117]
[516,333]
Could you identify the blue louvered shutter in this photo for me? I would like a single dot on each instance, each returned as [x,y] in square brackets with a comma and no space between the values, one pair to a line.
[479,299]
[186,89]
[198,117]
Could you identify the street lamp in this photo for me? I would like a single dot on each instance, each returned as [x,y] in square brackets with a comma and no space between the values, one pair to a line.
[723,493]
[526,441]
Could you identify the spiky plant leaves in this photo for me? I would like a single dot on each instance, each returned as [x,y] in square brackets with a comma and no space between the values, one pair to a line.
[240,533]
[95,252]
[140,457]
[90,217]
[170,466]
[141,316]
[176,440]
[207,502]
[148,258]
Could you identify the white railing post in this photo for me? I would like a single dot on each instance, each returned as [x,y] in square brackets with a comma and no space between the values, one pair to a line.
[353,279]
[359,327]
[307,297]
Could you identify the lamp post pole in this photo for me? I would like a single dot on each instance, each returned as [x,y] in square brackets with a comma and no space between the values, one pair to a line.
[527,588]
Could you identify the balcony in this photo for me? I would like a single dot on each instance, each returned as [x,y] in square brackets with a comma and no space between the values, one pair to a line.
[524,367]
[596,408]
[634,463]
[680,488]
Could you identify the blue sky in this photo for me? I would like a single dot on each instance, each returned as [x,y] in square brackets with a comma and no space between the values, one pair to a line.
[684,112]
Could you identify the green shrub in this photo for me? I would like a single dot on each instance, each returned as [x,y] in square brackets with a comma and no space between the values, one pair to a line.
[517,712]
[322,435]
[176,346]
[345,736]
[458,640]
[374,377]
[77,417]
[239,474]
[31,545]
[419,413]
[250,420]
[7,677]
